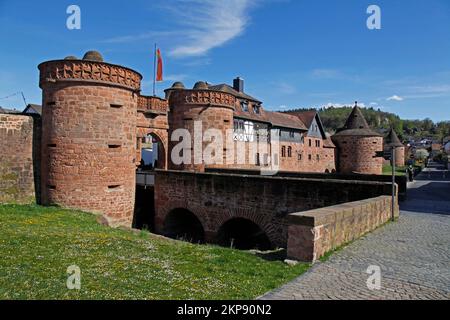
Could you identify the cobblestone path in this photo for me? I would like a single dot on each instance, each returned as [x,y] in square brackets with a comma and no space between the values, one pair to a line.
[413,253]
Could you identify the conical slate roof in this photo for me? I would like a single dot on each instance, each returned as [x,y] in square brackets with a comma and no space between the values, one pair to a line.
[356,125]
[392,139]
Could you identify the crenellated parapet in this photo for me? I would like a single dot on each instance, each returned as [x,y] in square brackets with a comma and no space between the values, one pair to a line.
[89,71]
[152,105]
[210,97]
[204,97]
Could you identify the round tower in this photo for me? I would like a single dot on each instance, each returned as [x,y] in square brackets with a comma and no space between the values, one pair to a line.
[198,110]
[357,146]
[391,141]
[89,112]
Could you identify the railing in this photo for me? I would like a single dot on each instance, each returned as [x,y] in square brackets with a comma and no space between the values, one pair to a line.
[145,178]
[148,104]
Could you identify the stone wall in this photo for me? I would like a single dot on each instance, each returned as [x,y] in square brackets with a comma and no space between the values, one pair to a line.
[266,201]
[18,146]
[313,233]
[357,154]
[401,181]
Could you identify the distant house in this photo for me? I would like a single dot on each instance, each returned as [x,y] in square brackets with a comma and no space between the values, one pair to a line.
[5,110]
[447,147]
[33,109]
[436,148]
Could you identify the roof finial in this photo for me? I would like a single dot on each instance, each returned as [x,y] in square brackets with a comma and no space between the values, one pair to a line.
[356,103]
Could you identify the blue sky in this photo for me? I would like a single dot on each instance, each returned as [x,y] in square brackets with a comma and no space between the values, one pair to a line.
[290,53]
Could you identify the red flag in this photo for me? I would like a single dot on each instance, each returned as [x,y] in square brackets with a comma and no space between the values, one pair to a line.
[159,69]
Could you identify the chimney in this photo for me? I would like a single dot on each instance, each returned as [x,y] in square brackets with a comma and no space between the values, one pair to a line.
[238,84]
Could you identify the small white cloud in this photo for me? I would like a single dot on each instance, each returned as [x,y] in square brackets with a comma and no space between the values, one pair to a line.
[175,77]
[343,105]
[395,98]
[325,73]
[285,88]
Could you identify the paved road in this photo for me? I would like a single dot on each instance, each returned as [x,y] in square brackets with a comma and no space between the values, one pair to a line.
[413,253]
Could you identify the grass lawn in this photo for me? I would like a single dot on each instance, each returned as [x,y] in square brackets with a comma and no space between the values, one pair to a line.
[38,244]
[399,171]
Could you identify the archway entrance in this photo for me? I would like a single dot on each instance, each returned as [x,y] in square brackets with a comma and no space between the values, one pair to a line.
[243,234]
[152,153]
[183,225]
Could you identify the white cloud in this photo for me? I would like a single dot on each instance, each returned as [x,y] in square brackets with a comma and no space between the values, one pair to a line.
[395,98]
[175,77]
[326,73]
[199,26]
[342,105]
[285,88]
[209,24]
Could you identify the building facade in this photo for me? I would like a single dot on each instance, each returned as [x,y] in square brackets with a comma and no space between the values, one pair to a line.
[252,137]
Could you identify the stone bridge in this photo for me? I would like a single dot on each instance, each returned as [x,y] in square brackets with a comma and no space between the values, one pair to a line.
[243,210]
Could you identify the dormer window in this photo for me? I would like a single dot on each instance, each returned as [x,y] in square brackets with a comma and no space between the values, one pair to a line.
[244,106]
[256,108]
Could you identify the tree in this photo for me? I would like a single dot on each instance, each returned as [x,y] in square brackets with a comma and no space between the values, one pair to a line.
[421,154]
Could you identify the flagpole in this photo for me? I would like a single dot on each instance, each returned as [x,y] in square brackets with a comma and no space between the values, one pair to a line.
[154,72]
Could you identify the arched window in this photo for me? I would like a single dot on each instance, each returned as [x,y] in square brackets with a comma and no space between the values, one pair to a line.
[289,149]
[283,151]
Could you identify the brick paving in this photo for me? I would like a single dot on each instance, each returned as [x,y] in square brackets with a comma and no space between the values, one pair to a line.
[413,254]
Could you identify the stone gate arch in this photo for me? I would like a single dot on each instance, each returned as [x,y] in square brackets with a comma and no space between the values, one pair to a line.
[159,137]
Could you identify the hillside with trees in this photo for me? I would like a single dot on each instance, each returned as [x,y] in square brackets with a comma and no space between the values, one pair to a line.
[334,118]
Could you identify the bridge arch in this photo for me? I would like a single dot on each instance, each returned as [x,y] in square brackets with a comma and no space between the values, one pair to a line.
[244,234]
[182,224]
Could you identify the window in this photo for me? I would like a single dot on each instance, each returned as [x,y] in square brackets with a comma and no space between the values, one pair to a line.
[266,159]
[299,157]
[283,151]
[236,124]
[257,161]
[318,143]
[291,134]
[318,158]
[289,152]
[309,157]
[244,106]
[256,108]
[310,142]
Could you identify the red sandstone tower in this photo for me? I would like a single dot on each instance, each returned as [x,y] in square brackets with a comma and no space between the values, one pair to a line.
[212,108]
[357,146]
[89,136]
[392,140]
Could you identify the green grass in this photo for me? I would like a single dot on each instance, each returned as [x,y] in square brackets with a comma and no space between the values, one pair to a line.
[37,244]
[399,171]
